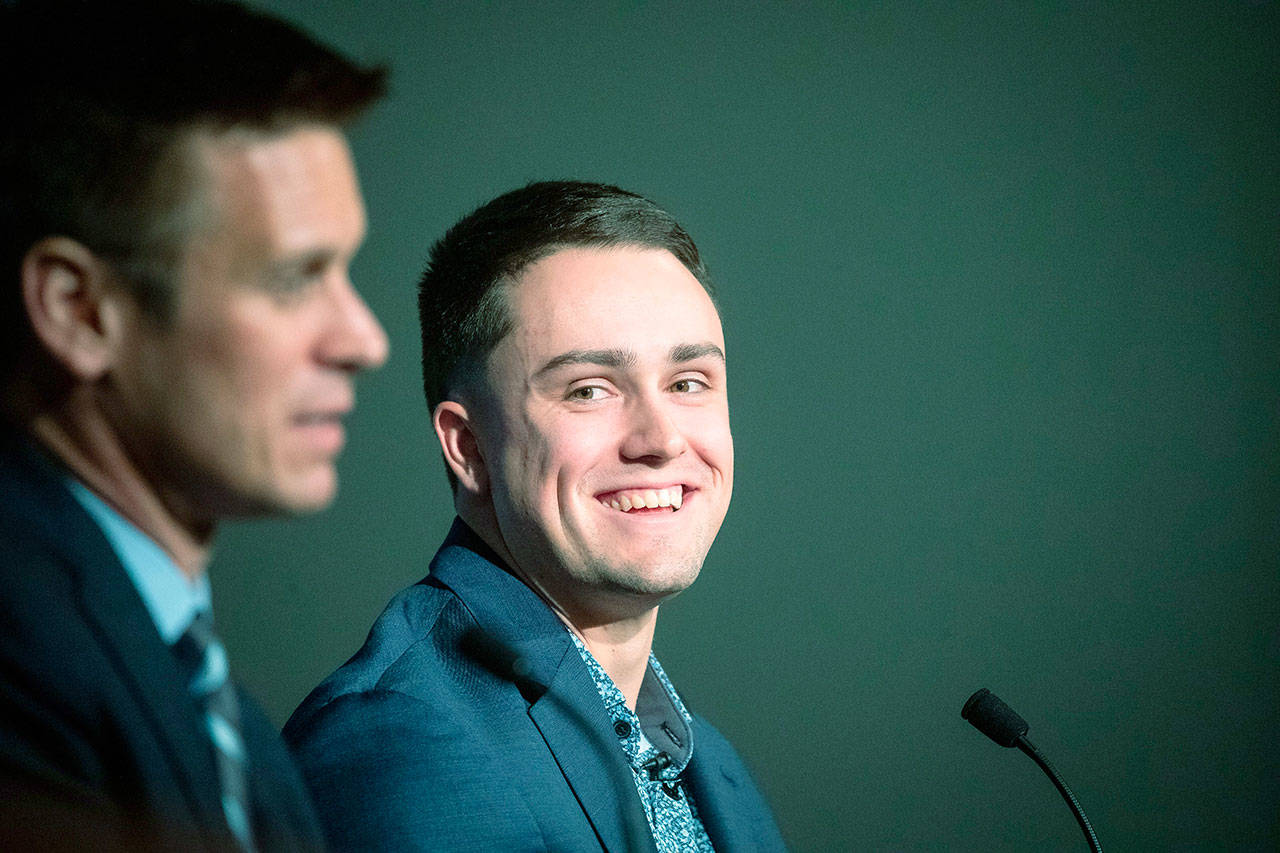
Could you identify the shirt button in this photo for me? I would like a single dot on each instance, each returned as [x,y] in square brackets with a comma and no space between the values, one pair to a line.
[622,728]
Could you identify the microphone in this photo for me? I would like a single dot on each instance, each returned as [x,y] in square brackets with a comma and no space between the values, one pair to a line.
[1003,725]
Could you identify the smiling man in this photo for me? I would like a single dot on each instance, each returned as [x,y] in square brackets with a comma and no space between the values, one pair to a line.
[574,363]
[179,345]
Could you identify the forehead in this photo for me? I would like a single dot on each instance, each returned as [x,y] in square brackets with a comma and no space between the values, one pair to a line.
[282,194]
[635,298]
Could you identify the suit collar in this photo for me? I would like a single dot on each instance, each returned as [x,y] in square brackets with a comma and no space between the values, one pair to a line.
[576,727]
[523,640]
[520,632]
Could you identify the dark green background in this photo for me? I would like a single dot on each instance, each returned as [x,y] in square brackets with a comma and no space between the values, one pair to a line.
[1001,287]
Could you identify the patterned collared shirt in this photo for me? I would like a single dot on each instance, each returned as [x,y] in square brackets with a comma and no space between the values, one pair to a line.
[657,739]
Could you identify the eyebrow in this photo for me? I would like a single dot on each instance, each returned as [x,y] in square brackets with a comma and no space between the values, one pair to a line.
[618,358]
[681,353]
[602,357]
[303,261]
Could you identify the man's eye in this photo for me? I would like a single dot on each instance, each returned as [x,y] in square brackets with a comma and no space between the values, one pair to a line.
[587,392]
[688,386]
[289,288]
[295,279]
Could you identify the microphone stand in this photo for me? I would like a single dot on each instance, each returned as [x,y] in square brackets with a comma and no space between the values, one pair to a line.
[989,715]
[1058,782]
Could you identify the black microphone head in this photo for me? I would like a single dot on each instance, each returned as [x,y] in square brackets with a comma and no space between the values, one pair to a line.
[993,718]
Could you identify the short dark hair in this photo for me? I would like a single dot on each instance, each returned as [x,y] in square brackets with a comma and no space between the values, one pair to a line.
[100,101]
[461,303]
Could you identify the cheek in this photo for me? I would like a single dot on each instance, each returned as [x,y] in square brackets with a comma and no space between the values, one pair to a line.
[246,384]
[708,431]
[518,457]
[551,461]
[260,355]
[238,387]
[726,449]
[582,445]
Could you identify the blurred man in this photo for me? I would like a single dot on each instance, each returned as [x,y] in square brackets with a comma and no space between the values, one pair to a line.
[575,369]
[179,208]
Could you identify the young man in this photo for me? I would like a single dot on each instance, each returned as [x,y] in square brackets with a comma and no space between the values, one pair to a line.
[510,701]
[178,211]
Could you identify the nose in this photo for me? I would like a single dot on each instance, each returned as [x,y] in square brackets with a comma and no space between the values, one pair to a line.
[652,436]
[355,339]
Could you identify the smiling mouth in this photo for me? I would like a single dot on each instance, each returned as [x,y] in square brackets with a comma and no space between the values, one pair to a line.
[631,500]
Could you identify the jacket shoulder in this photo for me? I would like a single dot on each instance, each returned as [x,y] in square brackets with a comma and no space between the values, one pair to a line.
[404,639]
[394,745]
[55,674]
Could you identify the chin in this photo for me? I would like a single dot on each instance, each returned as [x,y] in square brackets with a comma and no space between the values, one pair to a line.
[300,498]
[650,581]
[314,500]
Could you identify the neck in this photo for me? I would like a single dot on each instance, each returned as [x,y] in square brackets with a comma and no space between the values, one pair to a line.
[619,643]
[620,636]
[90,450]
[622,648]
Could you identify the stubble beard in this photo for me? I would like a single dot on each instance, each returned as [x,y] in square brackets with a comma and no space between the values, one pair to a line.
[666,575]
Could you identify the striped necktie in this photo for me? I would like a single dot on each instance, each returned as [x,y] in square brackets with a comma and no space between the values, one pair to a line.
[203,656]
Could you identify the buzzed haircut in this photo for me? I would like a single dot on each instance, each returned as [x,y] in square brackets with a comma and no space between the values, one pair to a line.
[100,102]
[461,296]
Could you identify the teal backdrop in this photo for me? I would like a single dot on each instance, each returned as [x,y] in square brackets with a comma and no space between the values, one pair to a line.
[1001,288]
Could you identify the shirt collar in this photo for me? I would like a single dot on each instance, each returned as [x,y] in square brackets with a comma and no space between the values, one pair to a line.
[171,599]
[659,727]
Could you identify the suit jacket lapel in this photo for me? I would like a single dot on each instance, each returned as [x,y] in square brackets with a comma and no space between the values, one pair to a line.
[736,817]
[576,727]
[283,818]
[113,608]
[713,792]
[533,645]
[148,667]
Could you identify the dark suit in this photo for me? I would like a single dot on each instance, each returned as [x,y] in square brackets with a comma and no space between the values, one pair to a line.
[101,747]
[468,721]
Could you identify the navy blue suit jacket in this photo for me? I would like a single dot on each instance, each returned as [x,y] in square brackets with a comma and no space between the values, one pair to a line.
[101,746]
[468,721]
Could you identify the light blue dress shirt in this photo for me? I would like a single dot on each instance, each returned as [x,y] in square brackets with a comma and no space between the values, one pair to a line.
[171,598]
[174,601]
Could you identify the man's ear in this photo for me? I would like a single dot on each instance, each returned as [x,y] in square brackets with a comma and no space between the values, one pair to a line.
[66,296]
[454,428]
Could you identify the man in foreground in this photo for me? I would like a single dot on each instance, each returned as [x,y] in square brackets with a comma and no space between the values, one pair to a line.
[178,211]
[510,701]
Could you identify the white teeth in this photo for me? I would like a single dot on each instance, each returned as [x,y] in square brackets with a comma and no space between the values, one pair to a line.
[646,499]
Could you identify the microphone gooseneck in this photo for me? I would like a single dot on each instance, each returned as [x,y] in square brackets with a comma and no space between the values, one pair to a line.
[1002,724]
